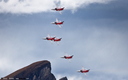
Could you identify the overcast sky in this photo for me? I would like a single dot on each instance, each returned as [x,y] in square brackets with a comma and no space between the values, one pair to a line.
[94,31]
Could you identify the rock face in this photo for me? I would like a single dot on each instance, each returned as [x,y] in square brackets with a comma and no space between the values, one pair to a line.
[64,78]
[40,70]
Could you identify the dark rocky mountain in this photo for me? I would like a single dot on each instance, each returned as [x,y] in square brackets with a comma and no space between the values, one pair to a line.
[64,78]
[40,70]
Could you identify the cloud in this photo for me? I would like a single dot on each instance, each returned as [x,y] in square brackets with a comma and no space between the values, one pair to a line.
[35,6]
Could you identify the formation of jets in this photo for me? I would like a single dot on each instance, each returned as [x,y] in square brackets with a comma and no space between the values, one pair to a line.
[59,23]
[52,38]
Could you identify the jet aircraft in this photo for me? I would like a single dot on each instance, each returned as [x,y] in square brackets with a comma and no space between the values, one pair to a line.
[58,9]
[49,38]
[67,57]
[84,70]
[57,39]
[57,22]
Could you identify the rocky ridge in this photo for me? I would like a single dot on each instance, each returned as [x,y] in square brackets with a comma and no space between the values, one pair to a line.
[40,70]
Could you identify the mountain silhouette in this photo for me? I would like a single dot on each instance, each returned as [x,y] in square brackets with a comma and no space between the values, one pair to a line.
[64,78]
[40,70]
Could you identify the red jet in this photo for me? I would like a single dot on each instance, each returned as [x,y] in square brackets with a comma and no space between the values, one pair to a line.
[59,23]
[68,57]
[57,39]
[58,9]
[49,38]
[83,70]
